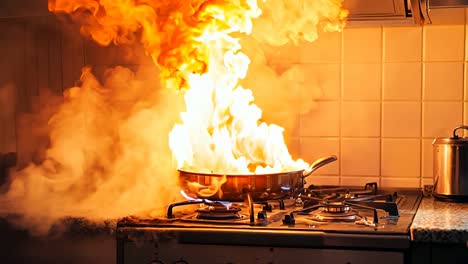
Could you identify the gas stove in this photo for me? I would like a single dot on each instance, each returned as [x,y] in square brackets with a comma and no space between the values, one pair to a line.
[330,223]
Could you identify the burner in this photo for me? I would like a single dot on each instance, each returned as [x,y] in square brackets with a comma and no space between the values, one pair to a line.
[335,207]
[218,211]
[322,215]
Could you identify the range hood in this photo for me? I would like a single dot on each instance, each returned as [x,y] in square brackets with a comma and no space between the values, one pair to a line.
[394,12]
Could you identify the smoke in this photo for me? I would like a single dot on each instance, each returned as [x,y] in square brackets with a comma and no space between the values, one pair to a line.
[279,84]
[283,21]
[108,154]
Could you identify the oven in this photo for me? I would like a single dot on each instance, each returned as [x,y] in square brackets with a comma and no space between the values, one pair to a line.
[323,224]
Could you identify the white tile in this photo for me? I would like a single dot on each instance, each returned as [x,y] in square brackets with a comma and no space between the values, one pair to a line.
[465,77]
[362,81]
[427,164]
[289,53]
[322,121]
[439,118]
[312,149]
[317,179]
[327,48]
[401,158]
[427,181]
[444,42]
[401,182]
[360,156]
[326,77]
[402,44]
[402,81]
[360,119]
[401,119]
[287,120]
[443,81]
[358,181]
[362,44]
[293,144]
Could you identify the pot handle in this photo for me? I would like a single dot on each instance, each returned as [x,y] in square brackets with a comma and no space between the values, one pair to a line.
[455,136]
[318,163]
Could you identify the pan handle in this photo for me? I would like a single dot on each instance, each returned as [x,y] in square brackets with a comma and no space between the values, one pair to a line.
[318,163]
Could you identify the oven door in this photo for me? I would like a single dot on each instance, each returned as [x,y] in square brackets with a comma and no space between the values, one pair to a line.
[206,254]
[193,245]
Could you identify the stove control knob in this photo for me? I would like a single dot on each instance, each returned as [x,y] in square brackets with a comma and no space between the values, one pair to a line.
[262,215]
[289,219]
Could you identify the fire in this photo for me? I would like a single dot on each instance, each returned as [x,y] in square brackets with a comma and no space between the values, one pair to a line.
[111,142]
[167,29]
[193,43]
[221,131]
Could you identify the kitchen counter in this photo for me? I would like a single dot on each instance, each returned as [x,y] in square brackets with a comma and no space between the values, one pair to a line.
[70,240]
[440,222]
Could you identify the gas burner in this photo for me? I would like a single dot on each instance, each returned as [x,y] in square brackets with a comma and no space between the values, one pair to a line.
[322,215]
[218,211]
[335,207]
[333,211]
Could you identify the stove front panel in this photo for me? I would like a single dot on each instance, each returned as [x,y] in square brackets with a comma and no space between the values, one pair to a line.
[206,254]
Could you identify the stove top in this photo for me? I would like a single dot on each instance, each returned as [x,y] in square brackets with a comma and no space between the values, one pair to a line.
[327,223]
[318,208]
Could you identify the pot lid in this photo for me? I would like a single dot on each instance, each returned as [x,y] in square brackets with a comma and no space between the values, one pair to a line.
[454,140]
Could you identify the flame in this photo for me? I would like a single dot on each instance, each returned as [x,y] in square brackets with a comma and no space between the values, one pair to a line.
[221,130]
[109,154]
[167,29]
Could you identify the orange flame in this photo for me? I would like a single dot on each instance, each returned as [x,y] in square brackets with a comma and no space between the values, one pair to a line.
[167,29]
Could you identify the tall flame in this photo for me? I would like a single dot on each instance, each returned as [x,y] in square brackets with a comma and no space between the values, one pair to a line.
[221,132]
[167,29]
[109,142]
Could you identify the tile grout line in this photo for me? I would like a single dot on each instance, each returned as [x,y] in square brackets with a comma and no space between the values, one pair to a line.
[421,115]
[382,80]
[464,75]
[340,142]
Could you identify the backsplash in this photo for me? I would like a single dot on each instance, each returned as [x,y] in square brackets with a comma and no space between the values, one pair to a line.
[389,92]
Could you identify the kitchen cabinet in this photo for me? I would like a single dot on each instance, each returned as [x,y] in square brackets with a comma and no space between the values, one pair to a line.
[365,8]
[87,243]
[433,253]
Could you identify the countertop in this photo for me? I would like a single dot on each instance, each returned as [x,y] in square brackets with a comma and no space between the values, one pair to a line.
[440,222]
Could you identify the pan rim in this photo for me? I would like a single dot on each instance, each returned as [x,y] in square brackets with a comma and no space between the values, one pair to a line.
[239,175]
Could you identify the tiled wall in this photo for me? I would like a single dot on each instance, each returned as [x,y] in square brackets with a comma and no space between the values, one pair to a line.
[389,91]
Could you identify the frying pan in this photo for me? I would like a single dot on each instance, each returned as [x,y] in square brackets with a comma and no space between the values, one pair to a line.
[235,187]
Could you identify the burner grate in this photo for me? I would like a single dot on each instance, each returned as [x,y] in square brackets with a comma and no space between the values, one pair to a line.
[218,210]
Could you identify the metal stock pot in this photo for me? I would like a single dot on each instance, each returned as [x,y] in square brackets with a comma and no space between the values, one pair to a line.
[260,187]
[451,167]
